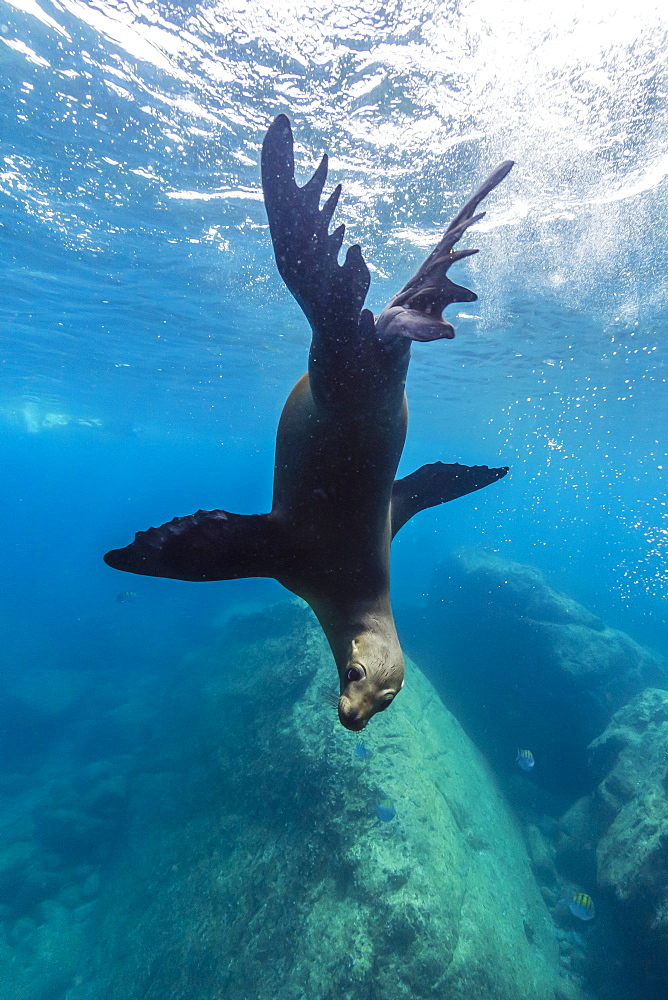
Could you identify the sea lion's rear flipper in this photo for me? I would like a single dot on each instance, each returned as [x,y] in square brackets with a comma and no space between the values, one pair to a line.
[208,545]
[330,294]
[437,483]
[415,311]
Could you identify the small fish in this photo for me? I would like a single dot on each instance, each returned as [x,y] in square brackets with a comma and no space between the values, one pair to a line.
[581,905]
[385,810]
[126,596]
[525,760]
[362,752]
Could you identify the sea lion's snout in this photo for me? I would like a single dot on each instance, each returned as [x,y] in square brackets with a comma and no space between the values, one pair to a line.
[357,707]
[350,717]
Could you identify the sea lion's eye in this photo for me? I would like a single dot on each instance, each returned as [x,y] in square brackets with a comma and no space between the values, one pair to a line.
[353,674]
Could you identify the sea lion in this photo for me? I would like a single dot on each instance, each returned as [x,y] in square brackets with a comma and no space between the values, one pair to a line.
[336,505]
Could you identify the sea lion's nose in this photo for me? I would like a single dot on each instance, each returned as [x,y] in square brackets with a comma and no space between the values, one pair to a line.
[351,718]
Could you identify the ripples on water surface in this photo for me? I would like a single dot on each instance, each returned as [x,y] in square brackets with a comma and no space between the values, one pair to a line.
[139,289]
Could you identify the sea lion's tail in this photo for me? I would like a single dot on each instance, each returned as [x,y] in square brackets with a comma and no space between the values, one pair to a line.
[208,545]
[415,311]
[437,483]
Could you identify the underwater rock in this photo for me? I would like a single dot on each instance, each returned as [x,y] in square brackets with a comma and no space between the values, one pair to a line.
[254,863]
[541,856]
[632,853]
[38,705]
[579,830]
[53,836]
[39,945]
[24,882]
[523,666]
[77,819]
[45,694]
[39,960]
[70,833]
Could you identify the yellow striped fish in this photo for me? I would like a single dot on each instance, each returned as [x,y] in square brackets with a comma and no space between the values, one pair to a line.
[525,760]
[581,905]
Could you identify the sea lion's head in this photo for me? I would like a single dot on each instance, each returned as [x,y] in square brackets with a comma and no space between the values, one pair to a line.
[371,675]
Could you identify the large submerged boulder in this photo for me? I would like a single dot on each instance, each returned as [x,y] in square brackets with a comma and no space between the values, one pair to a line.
[616,839]
[270,855]
[632,852]
[523,666]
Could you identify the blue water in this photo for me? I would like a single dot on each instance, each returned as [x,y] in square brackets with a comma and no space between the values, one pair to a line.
[148,343]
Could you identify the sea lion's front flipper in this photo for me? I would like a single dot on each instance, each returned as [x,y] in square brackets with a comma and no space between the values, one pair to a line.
[208,545]
[437,483]
[415,312]
[330,294]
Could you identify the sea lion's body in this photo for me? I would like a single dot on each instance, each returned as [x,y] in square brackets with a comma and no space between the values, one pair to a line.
[333,480]
[336,503]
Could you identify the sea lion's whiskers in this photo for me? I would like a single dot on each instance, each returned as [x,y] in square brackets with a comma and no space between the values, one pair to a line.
[330,697]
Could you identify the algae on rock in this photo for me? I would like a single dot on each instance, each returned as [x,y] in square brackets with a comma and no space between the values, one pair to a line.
[255,864]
